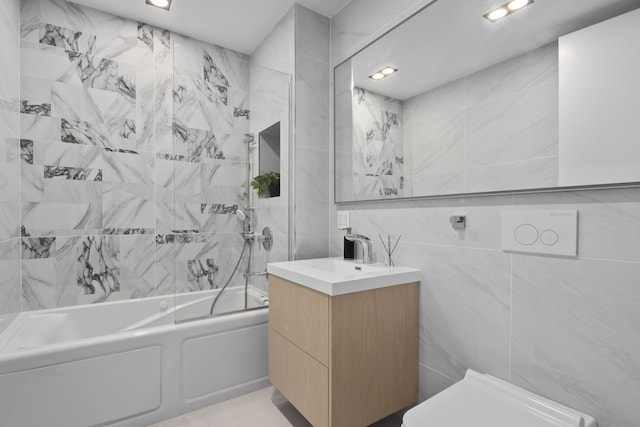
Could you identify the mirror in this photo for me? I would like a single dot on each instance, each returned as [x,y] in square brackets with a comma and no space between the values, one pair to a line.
[546,97]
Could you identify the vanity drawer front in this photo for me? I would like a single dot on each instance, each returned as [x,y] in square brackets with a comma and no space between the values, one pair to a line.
[300,378]
[301,315]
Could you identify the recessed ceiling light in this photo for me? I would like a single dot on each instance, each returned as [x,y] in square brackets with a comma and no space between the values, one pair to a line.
[507,9]
[162,4]
[517,4]
[385,72]
[500,13]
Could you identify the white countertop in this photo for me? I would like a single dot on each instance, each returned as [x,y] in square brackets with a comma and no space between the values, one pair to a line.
[335,276]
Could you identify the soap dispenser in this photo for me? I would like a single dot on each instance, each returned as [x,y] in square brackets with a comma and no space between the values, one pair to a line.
[349,251]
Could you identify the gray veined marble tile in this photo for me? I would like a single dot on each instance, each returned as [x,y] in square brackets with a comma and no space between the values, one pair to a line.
[116,37]
[312,114]
[531,69]
[57,154]
[10,286]
[47,63]
[214,117]
[432,382]
[128,206]
[38,247]
[10,19]
[72,191]
[435,183]
[226,67]
[240,101]
[312,34]
[32,183]
[67,39]
[137,265]
[82,132]
[29,20]
[187,90]
[35,91]
[520,175]
[146,42]
[69,173]
[378,147]
[9,182]
[98,268]
[105,74]
[464,308]
[42,287]
[277,50]
[145,110]
[516,127]
[202,143]
[197,262]
[188,58]
[128,167]
[9,85]
[575,334]
[9,220]
[12,150]
[438,144]
[163,117]
[40,128]
[312,188]
[62,218]
[446,99]
[163,50]
[94,117]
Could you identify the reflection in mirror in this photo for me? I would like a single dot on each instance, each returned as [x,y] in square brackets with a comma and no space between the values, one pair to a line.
[532,101]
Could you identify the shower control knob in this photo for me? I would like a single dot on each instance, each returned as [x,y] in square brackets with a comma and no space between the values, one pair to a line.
[163,306]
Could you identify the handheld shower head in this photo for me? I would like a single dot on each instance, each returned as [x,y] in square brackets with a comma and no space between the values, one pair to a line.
[242,216]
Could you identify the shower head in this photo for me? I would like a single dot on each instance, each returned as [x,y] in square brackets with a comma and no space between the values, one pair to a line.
[242,215]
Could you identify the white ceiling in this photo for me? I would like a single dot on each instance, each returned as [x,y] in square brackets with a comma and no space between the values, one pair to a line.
[451,39]
[236,24]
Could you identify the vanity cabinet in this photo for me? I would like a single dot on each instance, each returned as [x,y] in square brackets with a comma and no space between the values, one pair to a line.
[345,360]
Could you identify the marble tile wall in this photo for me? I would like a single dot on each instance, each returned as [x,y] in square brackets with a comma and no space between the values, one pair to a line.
[561,327]
[480,133]
[378,142]
[132,153]
[10,302]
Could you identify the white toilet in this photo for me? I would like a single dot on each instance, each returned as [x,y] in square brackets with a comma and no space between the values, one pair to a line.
[484,401]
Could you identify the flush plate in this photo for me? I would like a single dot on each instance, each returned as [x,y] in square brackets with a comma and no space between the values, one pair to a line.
[552,232]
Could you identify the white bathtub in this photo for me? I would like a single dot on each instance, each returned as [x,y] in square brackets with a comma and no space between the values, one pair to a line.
[128,363]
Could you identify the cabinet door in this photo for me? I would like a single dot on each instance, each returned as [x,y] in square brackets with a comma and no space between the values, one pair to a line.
[300,378]
[301,315]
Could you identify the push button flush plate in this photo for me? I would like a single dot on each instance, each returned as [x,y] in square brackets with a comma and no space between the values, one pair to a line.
[543,232]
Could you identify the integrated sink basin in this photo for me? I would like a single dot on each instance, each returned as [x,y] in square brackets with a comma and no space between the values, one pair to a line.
[335,276]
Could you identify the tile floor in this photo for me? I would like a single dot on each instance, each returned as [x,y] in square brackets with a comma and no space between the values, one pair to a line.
[262,408]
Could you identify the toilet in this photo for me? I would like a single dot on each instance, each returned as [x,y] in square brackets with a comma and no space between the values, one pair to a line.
[485,401]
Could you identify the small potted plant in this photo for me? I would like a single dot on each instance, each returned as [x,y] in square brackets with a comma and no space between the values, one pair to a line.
[267,184]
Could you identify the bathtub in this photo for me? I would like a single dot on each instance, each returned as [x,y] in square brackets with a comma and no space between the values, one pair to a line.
[131,363]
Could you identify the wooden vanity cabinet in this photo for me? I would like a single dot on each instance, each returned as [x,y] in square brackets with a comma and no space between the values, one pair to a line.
[347,360]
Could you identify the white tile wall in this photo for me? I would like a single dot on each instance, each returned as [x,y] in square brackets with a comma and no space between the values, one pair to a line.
[312,179]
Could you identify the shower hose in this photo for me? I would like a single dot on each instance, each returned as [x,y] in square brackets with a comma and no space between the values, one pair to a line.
[235,269]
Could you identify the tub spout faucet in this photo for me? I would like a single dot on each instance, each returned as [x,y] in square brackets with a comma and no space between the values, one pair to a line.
[365,242]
